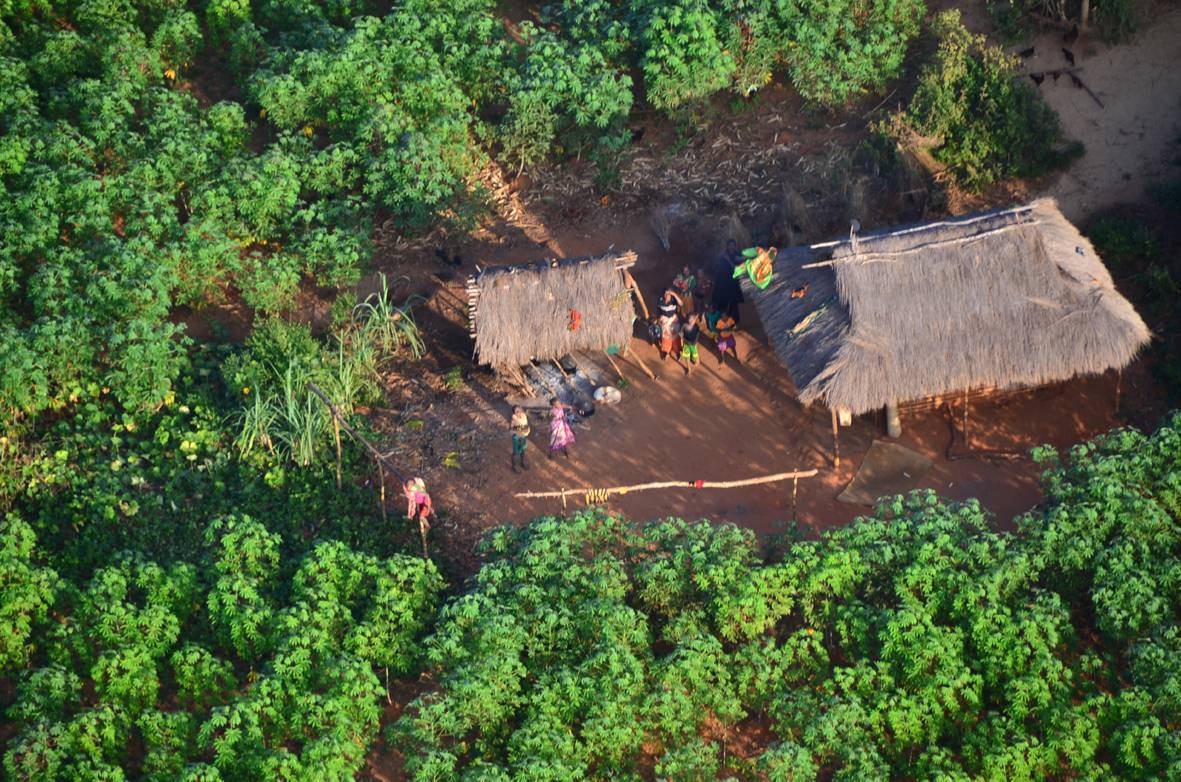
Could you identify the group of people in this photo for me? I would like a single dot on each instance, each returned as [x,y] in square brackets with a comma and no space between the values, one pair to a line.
[705,302]
[561,434]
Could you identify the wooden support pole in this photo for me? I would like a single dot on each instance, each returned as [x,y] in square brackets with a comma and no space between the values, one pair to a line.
[614,366]
[381,480]
[606,492]
[836,441]
[631,281]
[967,437]
[636,357]
[893,420]
[336,436]
[1119,377]
[795,487]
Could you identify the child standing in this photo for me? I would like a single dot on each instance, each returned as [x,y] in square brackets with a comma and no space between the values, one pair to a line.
[726,342]
[561,436]
[519,427]
[685,285]
[418,502]
[690,333]
[670,336]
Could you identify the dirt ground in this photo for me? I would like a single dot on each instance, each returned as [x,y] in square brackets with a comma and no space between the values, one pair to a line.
[734,422]
[1131,140]
[743,421]
[446,420]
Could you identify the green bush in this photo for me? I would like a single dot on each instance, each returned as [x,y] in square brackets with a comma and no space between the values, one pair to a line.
[684,60]
[1123,242]
[290,689]
[838,50]
[977,117]
[1116,19]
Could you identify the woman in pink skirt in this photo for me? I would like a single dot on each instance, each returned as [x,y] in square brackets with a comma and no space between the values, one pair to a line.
[561,436]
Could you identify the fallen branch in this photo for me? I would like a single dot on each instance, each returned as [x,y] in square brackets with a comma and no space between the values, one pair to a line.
[600,495]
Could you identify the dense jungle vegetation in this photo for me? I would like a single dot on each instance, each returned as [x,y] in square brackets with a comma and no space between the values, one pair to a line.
[197,584]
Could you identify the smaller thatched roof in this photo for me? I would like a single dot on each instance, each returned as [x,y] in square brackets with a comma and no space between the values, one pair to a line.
[1003,299]
[524,312]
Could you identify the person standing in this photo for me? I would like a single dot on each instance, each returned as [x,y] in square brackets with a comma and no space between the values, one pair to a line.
[418,502]
[519,427]
[685,284]
[727,290]
[725,330]
[561,436]
[703,292]
[690,333]
[670,342]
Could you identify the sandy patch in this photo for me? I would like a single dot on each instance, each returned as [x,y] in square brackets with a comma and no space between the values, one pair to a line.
[1131,141]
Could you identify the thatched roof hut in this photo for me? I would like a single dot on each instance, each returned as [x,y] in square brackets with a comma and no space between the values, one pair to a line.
[543,311]
[999,300]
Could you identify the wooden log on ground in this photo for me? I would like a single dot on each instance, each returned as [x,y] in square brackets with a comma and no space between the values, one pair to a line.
[609,490]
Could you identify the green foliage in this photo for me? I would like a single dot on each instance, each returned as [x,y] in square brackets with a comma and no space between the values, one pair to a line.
[105,480]
[309,706]
[27,590]
[1123,242]
[837,50]
[1116,19]
[684,58]
[279,417]
[977,118]
[561,91]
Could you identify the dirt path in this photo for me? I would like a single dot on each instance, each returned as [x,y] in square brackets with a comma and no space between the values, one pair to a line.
[1134,139]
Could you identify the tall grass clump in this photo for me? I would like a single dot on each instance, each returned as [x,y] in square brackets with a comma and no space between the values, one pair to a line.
[279,418]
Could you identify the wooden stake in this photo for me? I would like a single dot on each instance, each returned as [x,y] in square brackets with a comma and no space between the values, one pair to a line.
[1119,376]
[564,493]
[424,526]
[614,366]
[336,436]
[795,486]
[636,357]
[635,289]
[381,479]
[967,438]
[836,441]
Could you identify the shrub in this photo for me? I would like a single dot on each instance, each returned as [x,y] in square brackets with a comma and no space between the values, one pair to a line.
[977,118]
[1116,19]
[683,59]
[838,50]
[562,92]
[1124,242]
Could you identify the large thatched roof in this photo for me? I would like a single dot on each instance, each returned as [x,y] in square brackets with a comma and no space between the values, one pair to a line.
[1001,299]
[524,312]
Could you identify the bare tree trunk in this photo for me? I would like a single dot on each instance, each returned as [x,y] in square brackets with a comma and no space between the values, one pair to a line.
[1084,14]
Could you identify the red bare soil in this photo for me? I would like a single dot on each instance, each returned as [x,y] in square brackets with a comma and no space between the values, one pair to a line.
[734,422]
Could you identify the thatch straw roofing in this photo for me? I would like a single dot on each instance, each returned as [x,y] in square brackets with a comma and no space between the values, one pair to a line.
[1002,299]
[524,312]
